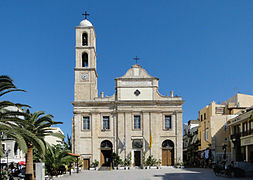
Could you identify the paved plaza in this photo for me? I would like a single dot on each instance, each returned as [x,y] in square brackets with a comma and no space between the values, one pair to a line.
[150,174]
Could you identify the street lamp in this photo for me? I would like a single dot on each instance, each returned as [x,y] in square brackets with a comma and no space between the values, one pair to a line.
[224,147]
[1,165]
[7,155]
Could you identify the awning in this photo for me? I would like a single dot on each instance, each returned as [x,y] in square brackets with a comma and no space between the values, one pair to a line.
[194,139]
[75,155]
[10,160]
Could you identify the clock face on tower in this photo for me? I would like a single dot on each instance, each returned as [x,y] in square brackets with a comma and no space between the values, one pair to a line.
[84,76]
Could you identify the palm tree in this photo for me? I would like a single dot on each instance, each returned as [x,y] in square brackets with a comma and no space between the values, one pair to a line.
[9,113]
[56,158]
[37,126]
[7,85]
[68,144]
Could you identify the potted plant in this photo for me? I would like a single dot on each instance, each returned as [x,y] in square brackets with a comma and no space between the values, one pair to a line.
[159,162]
[121,165]
[151,162]
[182,164]
[144,161]
[117,161]
[94,165]
[128,161]
[177,164]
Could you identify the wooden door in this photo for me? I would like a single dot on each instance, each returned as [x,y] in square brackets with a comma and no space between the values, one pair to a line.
[86,163]
[164,157]
[167,159]
[102,158]
[169,163]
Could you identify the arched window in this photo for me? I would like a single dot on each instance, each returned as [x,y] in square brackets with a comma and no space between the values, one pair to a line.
[106,144]
[85,39]
[168,144]
[85,60]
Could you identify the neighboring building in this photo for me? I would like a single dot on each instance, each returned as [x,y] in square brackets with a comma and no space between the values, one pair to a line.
[241,139]
[53,140]
[11,151]
[136,120]
[213,130]
[191,143]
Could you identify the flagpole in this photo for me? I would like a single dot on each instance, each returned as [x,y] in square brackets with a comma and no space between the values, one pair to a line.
[124,135]
[150,135]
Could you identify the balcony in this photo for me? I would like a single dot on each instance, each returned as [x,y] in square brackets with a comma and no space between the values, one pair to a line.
[235,136]
[248,132]
[241,134]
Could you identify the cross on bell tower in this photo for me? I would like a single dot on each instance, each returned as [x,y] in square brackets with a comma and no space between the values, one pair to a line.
[85,14]
[136,59]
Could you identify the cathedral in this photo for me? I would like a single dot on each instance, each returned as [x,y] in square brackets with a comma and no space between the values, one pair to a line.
[135,122]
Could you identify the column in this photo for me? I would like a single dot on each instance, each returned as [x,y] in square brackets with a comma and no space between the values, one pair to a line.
[247,153]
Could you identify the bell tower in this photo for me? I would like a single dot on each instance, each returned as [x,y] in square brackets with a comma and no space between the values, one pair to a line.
[85,68]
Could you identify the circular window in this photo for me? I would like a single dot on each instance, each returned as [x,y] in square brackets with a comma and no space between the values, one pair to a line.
[137,92]
[137,143]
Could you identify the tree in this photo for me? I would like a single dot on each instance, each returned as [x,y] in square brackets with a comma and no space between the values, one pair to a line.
[56,158]
[37,126]
[8,116]
[68,144]
[7,85]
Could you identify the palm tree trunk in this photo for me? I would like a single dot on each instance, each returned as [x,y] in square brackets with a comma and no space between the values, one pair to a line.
[29,164]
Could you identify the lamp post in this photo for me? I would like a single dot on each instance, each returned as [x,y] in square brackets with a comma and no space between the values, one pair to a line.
[224,147]
[7,155]
[1,165]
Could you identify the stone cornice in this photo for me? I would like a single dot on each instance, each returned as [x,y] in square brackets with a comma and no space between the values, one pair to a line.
[136,78]
[80,27]
[85,47]
[149,111]
[129,103]
[129,111]
[125,86]
[86,69]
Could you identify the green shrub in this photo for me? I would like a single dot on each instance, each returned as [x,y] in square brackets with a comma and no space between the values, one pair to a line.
[151,161]
[116,161]
[95,164]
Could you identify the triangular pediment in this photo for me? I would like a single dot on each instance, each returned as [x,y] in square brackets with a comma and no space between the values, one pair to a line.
[137,72]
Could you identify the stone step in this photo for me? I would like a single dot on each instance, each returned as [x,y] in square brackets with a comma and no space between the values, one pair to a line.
[104,168]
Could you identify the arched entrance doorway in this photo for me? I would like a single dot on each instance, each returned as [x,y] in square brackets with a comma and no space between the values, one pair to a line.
[167,153]
[106,153]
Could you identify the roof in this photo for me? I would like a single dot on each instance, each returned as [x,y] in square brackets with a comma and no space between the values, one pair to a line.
[85,23]
[137,72]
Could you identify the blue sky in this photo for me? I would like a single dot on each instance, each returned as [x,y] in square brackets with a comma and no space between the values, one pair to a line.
[202,50]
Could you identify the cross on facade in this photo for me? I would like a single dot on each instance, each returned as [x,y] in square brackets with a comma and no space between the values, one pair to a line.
[136,59]
[85,15]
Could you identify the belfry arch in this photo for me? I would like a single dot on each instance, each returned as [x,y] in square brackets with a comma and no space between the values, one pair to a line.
[167,153]
[85,60]
[85,39]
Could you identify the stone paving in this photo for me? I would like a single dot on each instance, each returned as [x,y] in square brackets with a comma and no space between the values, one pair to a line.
[149,174]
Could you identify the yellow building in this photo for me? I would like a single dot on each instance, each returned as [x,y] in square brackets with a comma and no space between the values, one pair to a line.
[213,130]
[241,131]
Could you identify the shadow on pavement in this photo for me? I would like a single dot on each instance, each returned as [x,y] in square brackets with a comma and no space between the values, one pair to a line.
[194,174]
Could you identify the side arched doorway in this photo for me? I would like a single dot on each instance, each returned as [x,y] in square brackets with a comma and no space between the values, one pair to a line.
[167,153]
[106,153]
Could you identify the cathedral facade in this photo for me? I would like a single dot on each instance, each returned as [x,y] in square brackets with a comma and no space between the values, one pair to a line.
[136,122]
